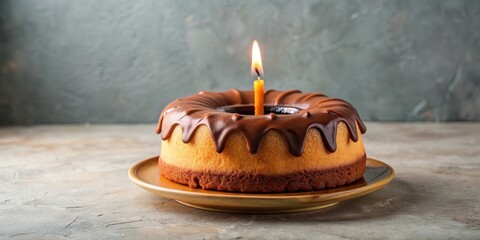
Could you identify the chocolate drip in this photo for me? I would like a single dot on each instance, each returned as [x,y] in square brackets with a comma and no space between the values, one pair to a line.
[292,113]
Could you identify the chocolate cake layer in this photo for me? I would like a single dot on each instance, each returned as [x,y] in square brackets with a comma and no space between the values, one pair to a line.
[308,180]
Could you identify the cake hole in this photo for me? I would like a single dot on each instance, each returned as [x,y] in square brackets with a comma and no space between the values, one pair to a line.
[197,182]
[249,109]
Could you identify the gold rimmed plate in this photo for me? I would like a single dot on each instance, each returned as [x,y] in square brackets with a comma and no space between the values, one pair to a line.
[145,174]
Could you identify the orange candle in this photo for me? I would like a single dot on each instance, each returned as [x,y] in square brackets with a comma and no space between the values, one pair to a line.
[258,101]
[257,71]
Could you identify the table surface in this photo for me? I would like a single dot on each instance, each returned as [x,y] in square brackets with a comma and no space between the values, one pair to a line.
[71,182]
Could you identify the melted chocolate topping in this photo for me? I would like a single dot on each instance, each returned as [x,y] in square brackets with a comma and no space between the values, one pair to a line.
[292,113]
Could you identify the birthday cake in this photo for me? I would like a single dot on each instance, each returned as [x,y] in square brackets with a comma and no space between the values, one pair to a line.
[303,142]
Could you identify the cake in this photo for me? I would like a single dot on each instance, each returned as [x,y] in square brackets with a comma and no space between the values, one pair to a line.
[304,142]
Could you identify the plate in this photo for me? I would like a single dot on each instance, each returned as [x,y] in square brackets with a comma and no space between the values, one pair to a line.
[145,174]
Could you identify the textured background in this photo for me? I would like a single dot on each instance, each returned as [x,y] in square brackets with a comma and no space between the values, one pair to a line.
[123,61]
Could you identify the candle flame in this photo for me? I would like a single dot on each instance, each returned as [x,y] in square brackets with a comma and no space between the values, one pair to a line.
[257,69]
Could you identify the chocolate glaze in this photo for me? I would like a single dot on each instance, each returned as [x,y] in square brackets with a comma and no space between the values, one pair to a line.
[292,113]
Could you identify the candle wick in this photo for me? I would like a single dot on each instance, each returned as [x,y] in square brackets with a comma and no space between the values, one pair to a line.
[258,72]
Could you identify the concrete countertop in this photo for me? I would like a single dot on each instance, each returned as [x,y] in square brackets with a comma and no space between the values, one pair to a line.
[71,182]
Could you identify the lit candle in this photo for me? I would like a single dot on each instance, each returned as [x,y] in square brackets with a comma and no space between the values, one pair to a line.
[257,73]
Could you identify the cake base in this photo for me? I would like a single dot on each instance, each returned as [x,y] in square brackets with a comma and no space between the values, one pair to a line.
[250,182]
[145,174]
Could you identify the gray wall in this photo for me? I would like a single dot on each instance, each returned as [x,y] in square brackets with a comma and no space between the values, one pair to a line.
[123,61]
